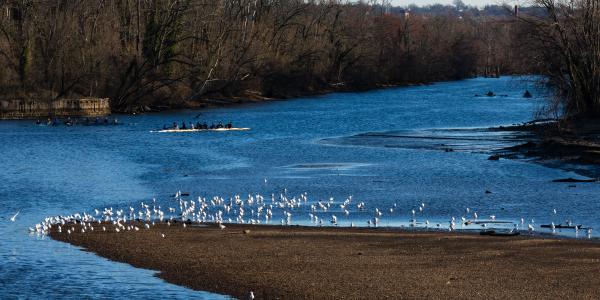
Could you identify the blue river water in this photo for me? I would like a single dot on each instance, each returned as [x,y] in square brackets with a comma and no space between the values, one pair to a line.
[375,146]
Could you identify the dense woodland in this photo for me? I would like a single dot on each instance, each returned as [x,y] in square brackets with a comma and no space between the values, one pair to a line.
[173,53]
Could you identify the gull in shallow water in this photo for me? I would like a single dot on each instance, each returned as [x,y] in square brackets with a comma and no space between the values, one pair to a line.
[13,218]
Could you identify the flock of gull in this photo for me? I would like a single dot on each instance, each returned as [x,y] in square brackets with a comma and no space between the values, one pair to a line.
[256,209]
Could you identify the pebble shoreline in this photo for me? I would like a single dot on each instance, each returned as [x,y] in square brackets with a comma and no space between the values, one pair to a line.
[294,262]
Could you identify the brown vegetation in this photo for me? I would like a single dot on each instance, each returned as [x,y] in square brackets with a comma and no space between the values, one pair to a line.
[564,43]
[182,52]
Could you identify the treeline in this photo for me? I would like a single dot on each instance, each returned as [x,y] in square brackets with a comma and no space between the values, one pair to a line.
[563,44]
[459,8]
[167,53]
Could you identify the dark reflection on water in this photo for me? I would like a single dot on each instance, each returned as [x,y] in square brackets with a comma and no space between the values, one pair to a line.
[314,145]
[479,140]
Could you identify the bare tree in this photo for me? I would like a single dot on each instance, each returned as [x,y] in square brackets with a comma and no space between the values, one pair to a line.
[567,39]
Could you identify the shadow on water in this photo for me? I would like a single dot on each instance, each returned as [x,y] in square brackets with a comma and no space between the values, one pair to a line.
[479,140]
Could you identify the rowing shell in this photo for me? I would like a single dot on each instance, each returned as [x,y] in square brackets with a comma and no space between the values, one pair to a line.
[199,130]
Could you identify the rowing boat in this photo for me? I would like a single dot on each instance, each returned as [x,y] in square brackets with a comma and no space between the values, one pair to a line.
[200,130]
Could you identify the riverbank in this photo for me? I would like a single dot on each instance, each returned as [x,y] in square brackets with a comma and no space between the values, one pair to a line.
[573,146]
[325,263]
[256,96]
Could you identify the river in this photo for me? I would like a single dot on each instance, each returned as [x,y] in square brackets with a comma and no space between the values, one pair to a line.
[374,146]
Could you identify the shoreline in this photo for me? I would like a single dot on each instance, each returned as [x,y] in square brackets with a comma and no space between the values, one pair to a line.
[276,262]
[572,146]
[254,97]
[244,98]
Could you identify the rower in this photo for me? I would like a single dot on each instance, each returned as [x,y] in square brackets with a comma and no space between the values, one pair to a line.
[175,125]
[183,125]
[191,125]
[229,125]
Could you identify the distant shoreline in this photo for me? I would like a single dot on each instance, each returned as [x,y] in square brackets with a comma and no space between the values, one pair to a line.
[251,97]
[276,262]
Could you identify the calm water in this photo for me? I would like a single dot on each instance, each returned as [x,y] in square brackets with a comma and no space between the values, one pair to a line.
[331,146]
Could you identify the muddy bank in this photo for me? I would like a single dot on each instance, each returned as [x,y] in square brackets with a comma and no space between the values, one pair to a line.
[573,146]
[332,263]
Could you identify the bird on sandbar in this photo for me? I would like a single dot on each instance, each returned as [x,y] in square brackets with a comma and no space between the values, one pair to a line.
[334,220]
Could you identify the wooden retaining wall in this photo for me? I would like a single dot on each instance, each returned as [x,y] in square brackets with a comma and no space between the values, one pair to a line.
[34,109]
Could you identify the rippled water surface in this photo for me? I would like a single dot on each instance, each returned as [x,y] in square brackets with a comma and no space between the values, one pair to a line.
[382,147]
